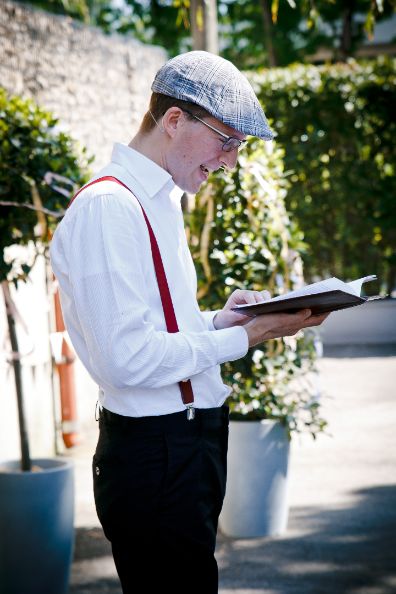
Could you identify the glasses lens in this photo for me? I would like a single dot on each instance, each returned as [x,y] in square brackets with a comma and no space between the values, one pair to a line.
[231,144]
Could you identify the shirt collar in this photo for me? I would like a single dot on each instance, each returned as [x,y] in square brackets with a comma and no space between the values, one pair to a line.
[148,174]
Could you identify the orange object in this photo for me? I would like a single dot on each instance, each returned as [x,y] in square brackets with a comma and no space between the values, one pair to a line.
[67,383]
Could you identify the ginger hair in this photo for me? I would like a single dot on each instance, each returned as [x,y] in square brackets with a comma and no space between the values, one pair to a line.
[159,105]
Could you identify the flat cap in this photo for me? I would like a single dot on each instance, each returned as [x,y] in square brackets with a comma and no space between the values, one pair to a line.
[216,85]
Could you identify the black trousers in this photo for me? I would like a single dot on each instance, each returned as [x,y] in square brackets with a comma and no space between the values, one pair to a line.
[159,484]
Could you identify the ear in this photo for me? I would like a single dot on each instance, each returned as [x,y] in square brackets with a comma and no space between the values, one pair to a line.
[172,120]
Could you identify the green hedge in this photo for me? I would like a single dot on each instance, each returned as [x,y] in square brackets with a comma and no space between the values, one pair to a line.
[31,145]
[337,127]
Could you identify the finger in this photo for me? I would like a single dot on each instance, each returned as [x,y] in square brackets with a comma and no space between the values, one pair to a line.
[294,318]
[322,316]
[315,321]
[266,295]
[296,321]
[259,297]
[284,332]
[251,297]
[239,297]
[303,314]
[290,319]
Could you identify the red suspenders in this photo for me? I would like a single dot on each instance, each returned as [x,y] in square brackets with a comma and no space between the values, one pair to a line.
[166,299]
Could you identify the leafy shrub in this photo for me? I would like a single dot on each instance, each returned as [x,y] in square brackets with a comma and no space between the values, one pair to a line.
[241,237]
[31,145]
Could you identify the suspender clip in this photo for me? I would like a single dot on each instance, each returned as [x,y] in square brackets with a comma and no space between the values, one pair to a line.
[190,412]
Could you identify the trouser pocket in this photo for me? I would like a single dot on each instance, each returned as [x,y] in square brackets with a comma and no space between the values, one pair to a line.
[128,472]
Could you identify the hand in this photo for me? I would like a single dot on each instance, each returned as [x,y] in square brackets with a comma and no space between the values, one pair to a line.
[279,325]
[225,318]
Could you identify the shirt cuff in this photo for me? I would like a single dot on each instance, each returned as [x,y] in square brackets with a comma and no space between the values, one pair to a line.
[232,343]
[208,316]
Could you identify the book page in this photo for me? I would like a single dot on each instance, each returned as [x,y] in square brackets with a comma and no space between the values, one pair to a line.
[356,285]
[330,284]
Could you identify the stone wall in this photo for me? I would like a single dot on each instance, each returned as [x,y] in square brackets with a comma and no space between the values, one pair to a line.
[98,85]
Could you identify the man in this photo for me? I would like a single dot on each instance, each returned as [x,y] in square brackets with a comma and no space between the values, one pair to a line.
[160,465]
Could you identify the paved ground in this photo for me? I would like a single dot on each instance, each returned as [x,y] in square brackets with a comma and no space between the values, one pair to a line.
[341,535]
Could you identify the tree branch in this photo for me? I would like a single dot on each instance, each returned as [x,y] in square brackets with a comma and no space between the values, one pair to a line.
[56,214]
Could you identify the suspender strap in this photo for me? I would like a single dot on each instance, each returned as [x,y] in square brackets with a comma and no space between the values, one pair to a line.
[166,299]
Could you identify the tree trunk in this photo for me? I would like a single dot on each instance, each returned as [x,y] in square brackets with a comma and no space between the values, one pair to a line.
[204,27]
[346,35]
[269,32]
[16,363]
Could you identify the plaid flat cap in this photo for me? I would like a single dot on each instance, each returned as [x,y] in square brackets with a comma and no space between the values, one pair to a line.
[216,85]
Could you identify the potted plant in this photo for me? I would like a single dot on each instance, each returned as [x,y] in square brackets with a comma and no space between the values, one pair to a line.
[36,496]
[242,237]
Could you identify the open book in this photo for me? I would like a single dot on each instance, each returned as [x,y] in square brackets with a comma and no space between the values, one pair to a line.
[327,295]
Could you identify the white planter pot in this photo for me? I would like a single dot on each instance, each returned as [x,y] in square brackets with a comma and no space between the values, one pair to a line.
[256,502]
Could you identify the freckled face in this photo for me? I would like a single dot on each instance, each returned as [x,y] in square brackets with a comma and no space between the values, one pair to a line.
[197,150]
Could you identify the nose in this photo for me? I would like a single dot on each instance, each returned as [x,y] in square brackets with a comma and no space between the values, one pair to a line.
[229,159]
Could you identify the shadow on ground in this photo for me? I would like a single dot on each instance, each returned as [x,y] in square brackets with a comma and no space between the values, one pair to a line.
[91,543]
[349,550]
[338,551]
[92,553]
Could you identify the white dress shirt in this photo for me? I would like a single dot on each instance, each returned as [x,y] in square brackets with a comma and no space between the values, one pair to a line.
[102,259]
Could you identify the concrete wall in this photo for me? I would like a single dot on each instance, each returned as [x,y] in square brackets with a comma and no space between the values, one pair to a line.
[373,323]
[32,323]
[99,87]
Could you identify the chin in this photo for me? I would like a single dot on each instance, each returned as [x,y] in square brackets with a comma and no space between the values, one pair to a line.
[195,187]
[190,184]
[190,188]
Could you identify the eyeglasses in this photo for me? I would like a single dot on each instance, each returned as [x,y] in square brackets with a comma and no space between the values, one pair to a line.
[231,143]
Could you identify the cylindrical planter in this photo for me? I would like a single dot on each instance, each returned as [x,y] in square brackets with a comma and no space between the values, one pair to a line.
[36,527]
[256,502]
